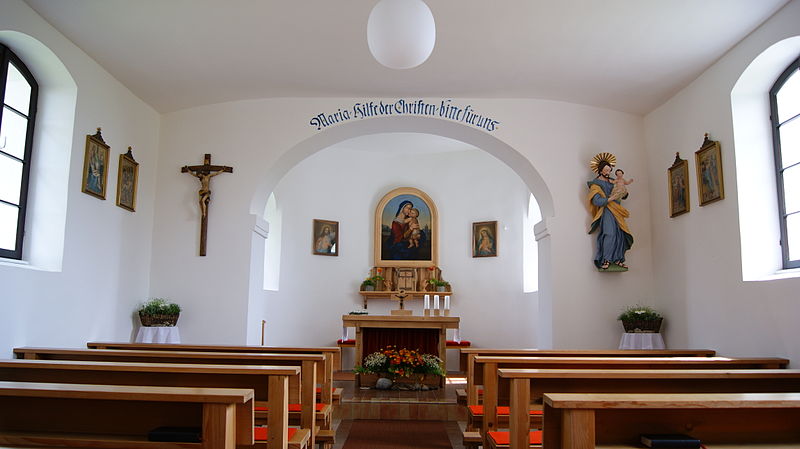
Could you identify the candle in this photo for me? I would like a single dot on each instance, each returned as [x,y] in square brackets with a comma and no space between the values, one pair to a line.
[436,302]
[427,303]
[446,302]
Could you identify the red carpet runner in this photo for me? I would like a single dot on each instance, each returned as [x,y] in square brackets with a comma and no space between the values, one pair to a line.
[384,434]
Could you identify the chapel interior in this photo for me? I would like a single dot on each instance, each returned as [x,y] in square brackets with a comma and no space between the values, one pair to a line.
[301,144]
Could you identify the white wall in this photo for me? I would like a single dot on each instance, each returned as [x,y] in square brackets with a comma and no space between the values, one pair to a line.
[698,263]
[104,272]
[475,187]
[264,139]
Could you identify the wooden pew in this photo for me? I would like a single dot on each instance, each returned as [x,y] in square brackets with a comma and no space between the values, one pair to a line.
[307,362]
[333,359]
[270,384]
[743,420]
[486,370]
[467,360]
[530,385]
[112,416]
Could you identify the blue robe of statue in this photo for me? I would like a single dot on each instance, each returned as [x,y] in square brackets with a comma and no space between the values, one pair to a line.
[612,239]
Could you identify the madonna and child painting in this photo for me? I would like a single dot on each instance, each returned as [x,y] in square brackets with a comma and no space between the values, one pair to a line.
[405,229]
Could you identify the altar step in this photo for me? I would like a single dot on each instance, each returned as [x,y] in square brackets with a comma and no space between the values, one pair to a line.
[433,405]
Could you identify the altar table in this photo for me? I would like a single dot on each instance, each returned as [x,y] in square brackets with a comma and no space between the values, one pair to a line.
[429,333]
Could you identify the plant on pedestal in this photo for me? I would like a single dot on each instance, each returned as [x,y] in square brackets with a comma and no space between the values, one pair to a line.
[640,319]
[159,312]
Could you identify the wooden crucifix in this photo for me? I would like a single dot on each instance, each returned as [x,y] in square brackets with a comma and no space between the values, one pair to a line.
[204,173]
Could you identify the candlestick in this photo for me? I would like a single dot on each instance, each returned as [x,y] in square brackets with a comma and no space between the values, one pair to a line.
[446,302]
[427,302]
[435,302]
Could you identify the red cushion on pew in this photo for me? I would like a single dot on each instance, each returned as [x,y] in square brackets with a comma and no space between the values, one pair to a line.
[477,410]
[261,433]
[504,438]
[296,407]
[459,343]
[349,341]
[292,408]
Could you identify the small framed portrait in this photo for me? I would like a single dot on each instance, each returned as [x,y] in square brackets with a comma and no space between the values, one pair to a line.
[484,239]
[326,238]
[95,166]
[127,179]
[678,186]
[708,162]
[406,233]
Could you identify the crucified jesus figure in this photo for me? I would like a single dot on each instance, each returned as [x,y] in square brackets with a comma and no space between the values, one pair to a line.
[204,173]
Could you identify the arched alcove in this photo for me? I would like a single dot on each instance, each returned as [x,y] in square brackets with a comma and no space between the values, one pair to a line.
[479,139]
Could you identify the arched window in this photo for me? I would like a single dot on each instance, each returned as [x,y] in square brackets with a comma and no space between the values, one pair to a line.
[18,92]
[785,117]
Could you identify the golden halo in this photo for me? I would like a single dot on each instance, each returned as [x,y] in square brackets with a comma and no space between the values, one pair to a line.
[600,157]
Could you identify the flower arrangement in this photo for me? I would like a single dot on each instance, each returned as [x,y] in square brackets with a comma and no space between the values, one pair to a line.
[400,362]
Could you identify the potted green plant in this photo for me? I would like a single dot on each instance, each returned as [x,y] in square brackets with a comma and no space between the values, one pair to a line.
[369,284]
[159,312]
[640,319]
[439,285]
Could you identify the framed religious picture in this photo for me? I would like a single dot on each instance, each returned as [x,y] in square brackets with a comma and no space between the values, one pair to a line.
[484,239]
[708,163]
[325,241]
[406,229]
[127,179]
[95,166]
[678,186]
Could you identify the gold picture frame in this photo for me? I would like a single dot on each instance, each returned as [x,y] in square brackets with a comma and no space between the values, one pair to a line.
[678,187]
[325,241]
[95,166]
[127,181]
[410,240]
[484,239]
[708,163]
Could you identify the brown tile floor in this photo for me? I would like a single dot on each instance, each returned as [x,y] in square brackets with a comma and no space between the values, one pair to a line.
[438,405]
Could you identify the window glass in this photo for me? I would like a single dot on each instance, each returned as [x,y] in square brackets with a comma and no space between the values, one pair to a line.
[787,98]
[790,142]
[10,179]
[18,91]
[13,133]
[791,189]
[793,230]
[8,226]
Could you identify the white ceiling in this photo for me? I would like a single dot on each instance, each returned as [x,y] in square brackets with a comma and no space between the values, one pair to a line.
[627,55]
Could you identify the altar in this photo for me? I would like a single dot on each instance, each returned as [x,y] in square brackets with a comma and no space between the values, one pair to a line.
[426,333]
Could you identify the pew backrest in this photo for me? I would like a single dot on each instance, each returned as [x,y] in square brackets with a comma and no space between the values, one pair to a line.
[79,415]
[530,385]
[269,384]
[324,370]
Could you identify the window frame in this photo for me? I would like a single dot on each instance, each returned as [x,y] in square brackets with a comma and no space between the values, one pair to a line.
[776,144]
[7,56]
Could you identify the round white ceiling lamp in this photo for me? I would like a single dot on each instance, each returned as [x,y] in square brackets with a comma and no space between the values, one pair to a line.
[401,33]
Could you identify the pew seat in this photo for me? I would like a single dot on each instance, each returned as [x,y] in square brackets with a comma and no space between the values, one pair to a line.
[297,438]
[501,439]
